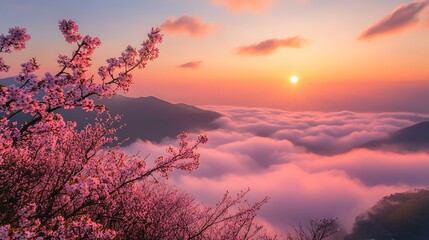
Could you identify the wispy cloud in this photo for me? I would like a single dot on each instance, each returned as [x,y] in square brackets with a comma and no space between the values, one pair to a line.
[403,17]
[270,45]
[192,64]
[187,24]
[244,5]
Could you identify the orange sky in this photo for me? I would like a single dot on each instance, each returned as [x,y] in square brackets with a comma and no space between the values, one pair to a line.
[243,52]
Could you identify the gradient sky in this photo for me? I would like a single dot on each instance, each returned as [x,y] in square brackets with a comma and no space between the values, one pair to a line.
[242,52]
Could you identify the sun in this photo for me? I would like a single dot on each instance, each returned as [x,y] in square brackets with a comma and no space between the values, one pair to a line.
[293,79]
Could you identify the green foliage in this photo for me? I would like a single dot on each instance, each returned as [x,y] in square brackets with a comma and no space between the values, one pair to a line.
[400,216]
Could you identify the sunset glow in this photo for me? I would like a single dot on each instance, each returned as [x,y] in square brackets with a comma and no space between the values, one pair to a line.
[318,109]
[212,43]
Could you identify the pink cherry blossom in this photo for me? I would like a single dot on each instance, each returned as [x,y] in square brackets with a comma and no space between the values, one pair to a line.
[16,39]
[70,30]
[61,182]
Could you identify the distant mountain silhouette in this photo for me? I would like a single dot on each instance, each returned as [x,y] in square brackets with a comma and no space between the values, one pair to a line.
[150,118]
[415,137]
[147,118]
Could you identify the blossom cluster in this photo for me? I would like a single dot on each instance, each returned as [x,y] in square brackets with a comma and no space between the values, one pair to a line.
[69,87]
[61,182]
[16,39]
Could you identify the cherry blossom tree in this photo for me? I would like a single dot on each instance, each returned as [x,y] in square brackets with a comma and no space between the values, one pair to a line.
[59,182]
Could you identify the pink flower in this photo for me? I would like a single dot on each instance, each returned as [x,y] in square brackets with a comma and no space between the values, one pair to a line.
[83,188]
[70,30]
[87,104]
[16,39]
[3,66]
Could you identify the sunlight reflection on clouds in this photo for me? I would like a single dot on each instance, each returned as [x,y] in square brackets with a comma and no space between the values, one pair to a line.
[309,163]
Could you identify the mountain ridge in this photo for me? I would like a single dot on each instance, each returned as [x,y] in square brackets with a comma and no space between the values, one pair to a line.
[150,118]
[146,118]
[412,138]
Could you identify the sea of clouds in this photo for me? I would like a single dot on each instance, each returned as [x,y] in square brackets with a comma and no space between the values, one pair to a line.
[310,164]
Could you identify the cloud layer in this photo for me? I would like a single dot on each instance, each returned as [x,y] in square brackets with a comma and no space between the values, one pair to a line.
[307,162]
[405,16]
[192,64]
[270,45]
[244,5]
[187,24]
